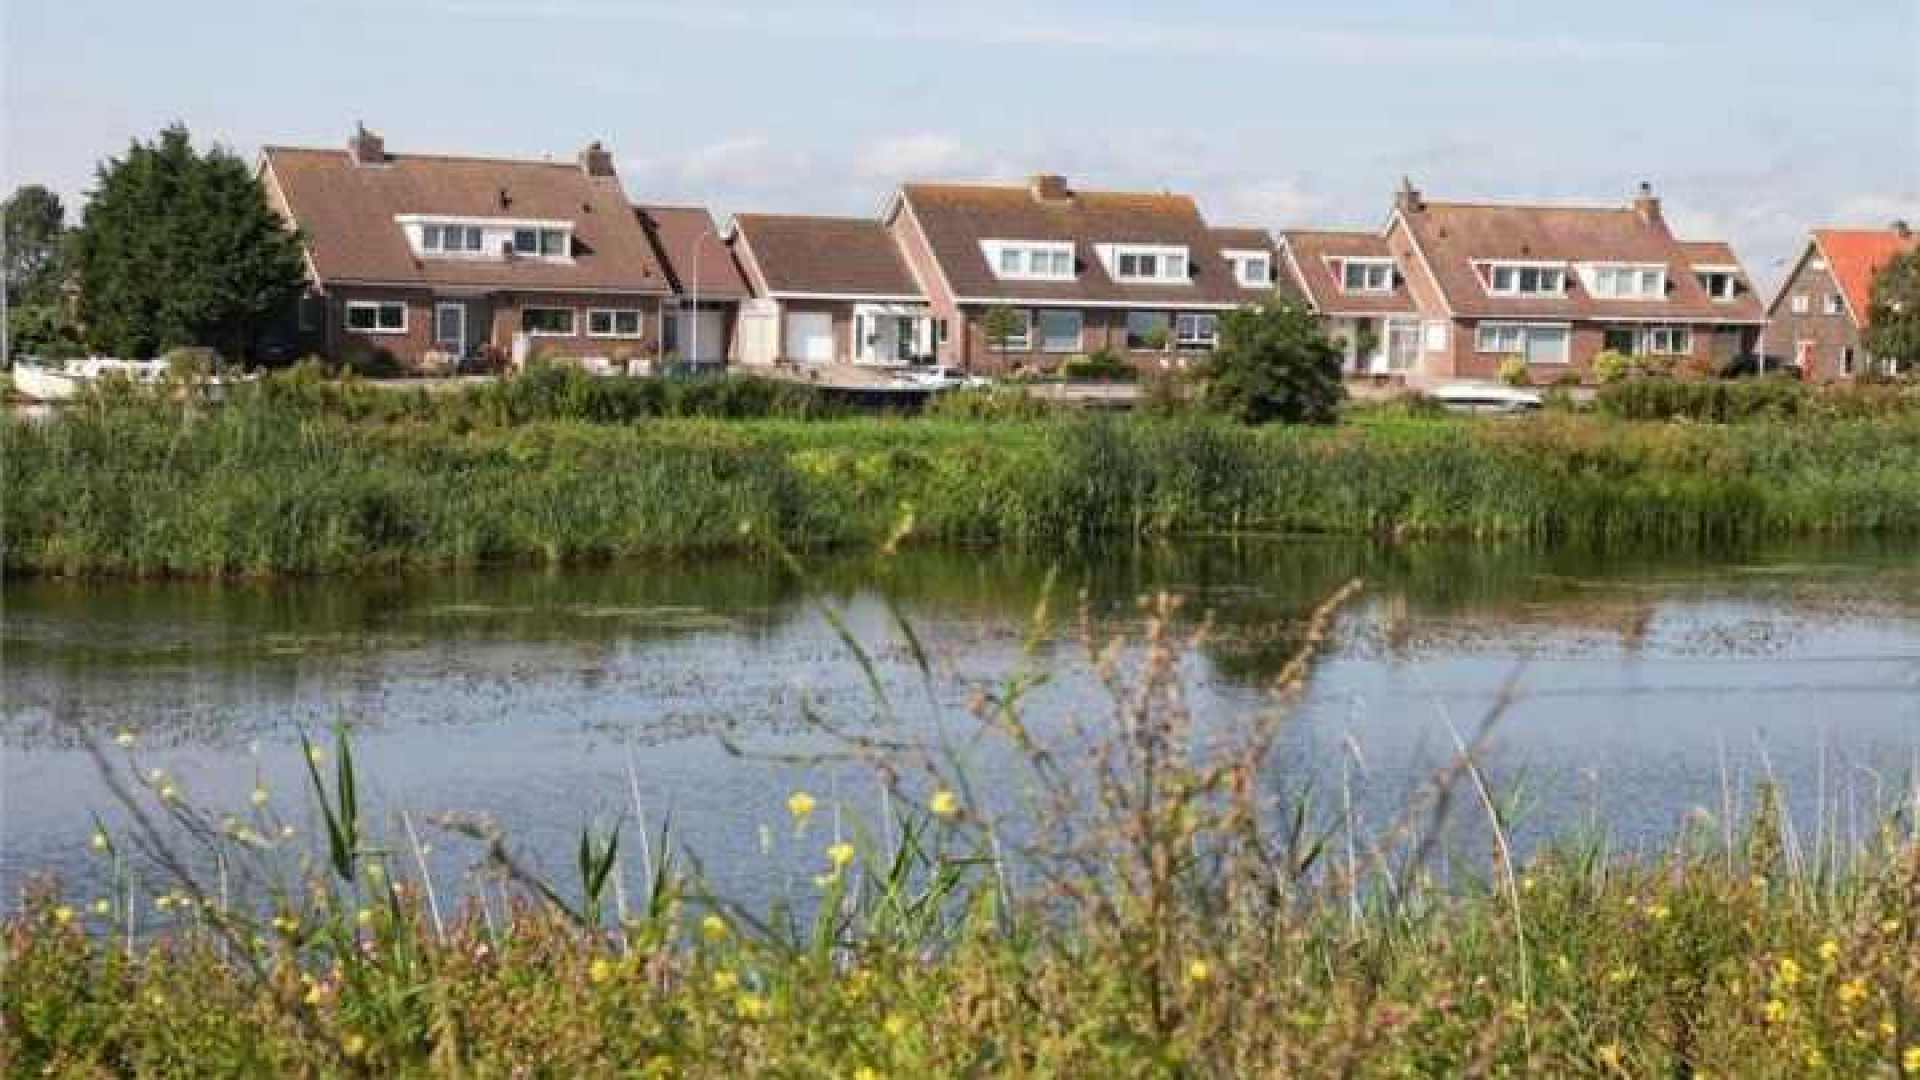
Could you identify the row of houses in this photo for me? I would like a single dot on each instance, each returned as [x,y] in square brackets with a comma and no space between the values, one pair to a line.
[448,262]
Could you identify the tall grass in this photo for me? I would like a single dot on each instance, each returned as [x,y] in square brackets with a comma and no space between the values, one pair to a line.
[265,486]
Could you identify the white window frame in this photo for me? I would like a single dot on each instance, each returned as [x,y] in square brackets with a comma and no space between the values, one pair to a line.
[1167,323]
[1172,263]
[1368,263]
[1039,337]
[1492,269]
[1434,336]
[1522,331]
[1020,342]
[612,332]
[1641,281]
[1833,304]
[1058,258]
[1666,341]
[1242,260]
[573,321]
[540,235]
[1706,275]
[1183,340]
[1800,304]
[433,238]
[376,306]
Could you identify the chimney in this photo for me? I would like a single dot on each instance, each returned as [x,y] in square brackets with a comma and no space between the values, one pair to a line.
[1049,188]
[1647,204]
[1901,229]
[366,147]
[1407,200]
[597,161]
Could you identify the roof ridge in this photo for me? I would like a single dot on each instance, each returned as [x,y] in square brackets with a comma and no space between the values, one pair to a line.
[476,158]
[1020,185]
[1484,205]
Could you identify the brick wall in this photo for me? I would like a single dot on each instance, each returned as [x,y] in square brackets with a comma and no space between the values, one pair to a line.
[1829,335]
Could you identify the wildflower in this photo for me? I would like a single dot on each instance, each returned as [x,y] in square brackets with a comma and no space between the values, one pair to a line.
[1815,1058]
[1910,1059]
[1623,975]
[1776,1010]
[600,970]
[1609,1055]
[1659,912]
[1829,950]
[1890,926]
[1562,965]
[750,1006]
[1199,972]
[123,739]
[1852,992]
[364,917]
[99,841]
[1526,884]
[158,999]
[355,1045]
[259,796]
[1886,1027]
[315,995]
[1787,971]
[840,854]
[866,1072]
[725,982]
[944,803]
[895,1026]
[102,906]
[800,805]
[714,928]
[63,914]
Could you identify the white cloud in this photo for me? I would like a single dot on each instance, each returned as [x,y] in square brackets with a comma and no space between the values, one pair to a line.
[921,156]
[1271,203]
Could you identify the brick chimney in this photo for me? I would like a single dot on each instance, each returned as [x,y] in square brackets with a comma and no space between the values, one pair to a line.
[1647,204]
[597,161]
[366,147]
[1407,200]
[1049,188]
[1901,229]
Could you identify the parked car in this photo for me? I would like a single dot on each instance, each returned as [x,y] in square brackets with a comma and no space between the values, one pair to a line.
[1482,397]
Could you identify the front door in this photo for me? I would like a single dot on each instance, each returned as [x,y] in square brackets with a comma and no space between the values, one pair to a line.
[450,328]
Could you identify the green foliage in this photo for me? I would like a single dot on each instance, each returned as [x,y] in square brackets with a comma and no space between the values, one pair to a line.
[987,403]
[1714,402]
[1611,366]
[1893,312]
[1273,363]
[43,329]
[1101,366]
[999,324]
[36,232]
[181,248]
[1513,371]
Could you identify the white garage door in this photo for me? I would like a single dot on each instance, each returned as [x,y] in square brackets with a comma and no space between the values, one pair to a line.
[810,336]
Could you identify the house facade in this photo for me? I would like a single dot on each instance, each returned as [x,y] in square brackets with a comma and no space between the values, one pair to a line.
[827,290]
[697,322]
[1816,320]
[1139,275]
[1453,290]
[449,263]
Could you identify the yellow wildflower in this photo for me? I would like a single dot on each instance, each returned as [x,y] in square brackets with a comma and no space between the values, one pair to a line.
[725,982]
[895,1026]
[1910,1059]
[840,854]
[1609,1055]
[713,928]
[800,805]
[866,1072]
[1526,884]
[315,995]
[1886,1028]
[1852,992]
[1623,975]
[1829,950]
[1659,912]
[63,914]
[99,841]
[1199,972]
[944,803]
[600,970]
[1815,1058]
[355,1045]
[1787,971]
[750,1006]
[1776,1010]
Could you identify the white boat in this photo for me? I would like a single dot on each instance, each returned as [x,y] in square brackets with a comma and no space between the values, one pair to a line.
[64,380]
[1484,397]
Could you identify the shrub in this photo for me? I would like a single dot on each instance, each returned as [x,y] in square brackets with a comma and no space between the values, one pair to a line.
[1274,363]
[1711,402]
[987,404]
[1513,371]
[370,361]
[1101,366]
[1611,366]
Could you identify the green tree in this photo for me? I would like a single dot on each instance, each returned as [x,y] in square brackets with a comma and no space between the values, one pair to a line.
[1001,324]
[36,227]
[181,248]
[1893,312]
[1274,363]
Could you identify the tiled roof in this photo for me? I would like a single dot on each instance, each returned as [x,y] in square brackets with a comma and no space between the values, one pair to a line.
[1454,237]
[826,255]
[1241,239]
[1314,255]
[1854,256]
[346,212]
[686,242]
[956,217]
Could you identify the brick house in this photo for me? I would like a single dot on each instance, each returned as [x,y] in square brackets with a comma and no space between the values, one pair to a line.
[1451,290]
[1815,321]
[440,261]
[1141,275]
[708,288]
[827,290]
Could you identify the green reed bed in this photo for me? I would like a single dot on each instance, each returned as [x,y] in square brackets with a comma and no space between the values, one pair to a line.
[272,486]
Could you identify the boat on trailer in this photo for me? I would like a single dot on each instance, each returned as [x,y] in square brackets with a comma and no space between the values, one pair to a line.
[64,380]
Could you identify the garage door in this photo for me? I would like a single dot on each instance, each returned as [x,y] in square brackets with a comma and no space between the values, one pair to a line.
[810,336]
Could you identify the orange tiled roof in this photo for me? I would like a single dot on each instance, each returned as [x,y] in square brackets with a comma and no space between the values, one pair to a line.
[1855,255]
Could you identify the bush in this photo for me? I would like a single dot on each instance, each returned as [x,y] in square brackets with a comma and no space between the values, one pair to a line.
[1513,371]
[370,361]
[1709,402]
[1101,366]
[987,404]
[1611,366]
[1274,363]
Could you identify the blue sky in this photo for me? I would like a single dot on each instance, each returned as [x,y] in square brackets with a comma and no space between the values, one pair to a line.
[1754,120]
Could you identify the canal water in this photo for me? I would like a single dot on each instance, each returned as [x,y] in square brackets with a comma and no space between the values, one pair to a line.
[1631,689]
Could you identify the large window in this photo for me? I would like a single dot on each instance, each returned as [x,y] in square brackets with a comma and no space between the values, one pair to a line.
[1526,279]
[377,316]
[1668,341]
[1611,282]
[547,321]
[1366,275]
[545,243]
[613,322]
[450,239]
[1540,344]
[1029,260]
[1196,330]
[1149,263]
[1149,330]
[1059,330]
[1020,339]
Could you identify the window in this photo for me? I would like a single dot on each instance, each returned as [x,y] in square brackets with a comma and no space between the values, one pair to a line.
[1612,282]
[1846,359]
[1668,341]
[547,321]
[1540,344]
[1149,330]
[1620,339]
[1799,303]
[1835,304]
[1196,330]
[546,243]
[1137,263]
[1719,284]
[1436,337]
[1366,275]
[1526,279]
[377,316]
[940,331]
[1029,260]
[613,322]
[1059,330]
[450,239]
[1252,269]
[1020,340]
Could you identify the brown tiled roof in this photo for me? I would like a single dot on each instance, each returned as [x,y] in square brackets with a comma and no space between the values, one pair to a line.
[1313,253]
[1854,256]
[1454,236]
[346,214]
[1241,239]
[686,241]
[956,217]
[830,256]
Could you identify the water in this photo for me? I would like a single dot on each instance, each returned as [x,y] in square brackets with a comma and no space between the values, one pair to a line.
[1642,685]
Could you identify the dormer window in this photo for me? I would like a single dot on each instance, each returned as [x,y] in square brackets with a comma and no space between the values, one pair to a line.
[1718,283]
[1366,275]
[1525,279]
[1163,264]
[1626,281]
[450,239]
[1026,260]
[542,243]
[446,237]
[1251,269]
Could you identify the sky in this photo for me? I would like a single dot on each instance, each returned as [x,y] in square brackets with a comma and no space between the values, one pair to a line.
[1754,119]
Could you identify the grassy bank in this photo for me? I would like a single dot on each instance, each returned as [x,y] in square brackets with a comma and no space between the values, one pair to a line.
[277,486]
[1144,911]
